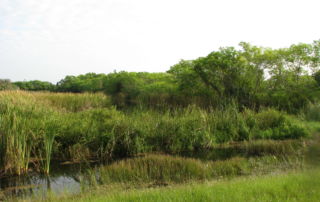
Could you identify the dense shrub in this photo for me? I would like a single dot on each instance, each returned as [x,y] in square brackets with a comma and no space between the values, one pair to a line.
[35,85]
[273,124]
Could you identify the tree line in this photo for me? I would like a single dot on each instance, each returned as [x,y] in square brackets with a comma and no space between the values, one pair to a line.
[251,76]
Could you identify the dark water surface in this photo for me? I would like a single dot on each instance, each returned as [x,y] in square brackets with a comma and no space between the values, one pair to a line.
[62,179]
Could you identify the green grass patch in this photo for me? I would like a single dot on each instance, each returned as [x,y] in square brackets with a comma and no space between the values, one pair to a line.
[165,169]
[301,186]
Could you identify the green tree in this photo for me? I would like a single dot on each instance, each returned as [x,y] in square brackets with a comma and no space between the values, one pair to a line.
[229,74]
[35,85]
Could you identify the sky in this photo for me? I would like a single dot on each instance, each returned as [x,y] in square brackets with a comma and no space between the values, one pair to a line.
[49,39]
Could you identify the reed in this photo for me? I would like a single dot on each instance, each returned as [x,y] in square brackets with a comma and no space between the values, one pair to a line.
[71,102]
[45,125]
[48,143]
[15,143]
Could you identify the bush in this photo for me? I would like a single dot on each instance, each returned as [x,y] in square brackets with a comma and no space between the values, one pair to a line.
[312,112]
[272,124]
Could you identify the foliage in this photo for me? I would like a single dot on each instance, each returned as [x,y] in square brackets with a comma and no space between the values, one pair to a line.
[253,77]
[312,112]
[90,82]
[5,84]
[35,85]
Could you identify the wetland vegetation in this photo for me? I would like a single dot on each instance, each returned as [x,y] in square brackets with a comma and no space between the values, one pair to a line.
[252,111]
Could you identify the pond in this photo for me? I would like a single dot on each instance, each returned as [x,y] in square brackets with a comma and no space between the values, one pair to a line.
[62,179]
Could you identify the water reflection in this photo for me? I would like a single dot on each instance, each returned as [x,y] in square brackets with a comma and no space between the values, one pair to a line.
[63,178]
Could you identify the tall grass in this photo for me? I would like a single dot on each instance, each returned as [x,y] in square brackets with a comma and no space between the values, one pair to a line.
[16,147]
[71,102]
[16,142]
[79,127]
[30,121]
[48,140]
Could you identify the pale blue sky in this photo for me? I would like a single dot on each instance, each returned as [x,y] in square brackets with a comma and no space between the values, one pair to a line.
[49,39]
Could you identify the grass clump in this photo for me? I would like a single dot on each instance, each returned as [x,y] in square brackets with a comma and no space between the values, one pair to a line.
[154,168]
[163,169]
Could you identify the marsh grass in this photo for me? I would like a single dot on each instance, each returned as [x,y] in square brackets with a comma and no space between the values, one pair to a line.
[83,127]
[16,141]
[29,123]
[257,148]
[71,102]
[50,133]
[164,169]
[17,149]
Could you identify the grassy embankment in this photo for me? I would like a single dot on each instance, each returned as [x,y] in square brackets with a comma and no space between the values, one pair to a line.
[293,186]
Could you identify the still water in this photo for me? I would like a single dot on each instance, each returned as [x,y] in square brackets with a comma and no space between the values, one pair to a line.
[62,179]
